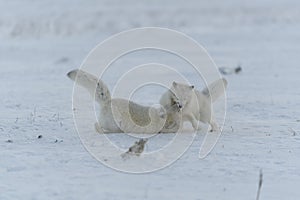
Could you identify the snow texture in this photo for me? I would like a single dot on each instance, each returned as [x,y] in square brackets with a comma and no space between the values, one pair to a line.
[41,156]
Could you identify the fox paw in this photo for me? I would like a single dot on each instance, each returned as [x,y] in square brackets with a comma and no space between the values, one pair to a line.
[214,127]
[98,128]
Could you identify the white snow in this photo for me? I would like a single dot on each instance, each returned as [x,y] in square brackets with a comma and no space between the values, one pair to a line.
[40,41]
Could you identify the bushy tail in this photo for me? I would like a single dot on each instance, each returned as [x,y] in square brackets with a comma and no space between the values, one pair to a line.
[215,89]
[86,80]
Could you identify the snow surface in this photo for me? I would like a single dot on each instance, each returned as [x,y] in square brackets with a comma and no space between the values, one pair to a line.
[40,41]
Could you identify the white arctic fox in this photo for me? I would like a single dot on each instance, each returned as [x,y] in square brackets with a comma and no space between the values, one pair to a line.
[121,115]
[196,105]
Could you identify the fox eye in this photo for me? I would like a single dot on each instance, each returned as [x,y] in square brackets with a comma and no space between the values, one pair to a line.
[101,93]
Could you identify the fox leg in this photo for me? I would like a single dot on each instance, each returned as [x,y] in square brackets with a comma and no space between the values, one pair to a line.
[194,122]
[214,126]
[99,129]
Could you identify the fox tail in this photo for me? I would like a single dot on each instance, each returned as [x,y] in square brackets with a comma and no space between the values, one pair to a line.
[215,89]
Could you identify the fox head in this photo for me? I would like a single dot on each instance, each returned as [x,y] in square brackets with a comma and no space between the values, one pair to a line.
[182,93]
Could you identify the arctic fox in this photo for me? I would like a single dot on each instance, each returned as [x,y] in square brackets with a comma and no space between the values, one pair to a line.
[174,117]
[121,115]
[196,105]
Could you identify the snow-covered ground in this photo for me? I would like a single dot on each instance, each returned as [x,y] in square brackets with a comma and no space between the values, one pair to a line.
[40,41]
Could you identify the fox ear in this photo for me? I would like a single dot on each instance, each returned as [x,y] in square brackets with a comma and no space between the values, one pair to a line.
[192,87]
[174,84]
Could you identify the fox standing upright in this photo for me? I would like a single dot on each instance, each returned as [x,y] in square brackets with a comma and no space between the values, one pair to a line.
[196,105]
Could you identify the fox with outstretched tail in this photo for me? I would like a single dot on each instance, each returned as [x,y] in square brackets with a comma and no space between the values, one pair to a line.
[122,115]
[196,105]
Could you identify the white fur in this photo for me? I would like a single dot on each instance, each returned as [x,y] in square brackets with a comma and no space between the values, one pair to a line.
[120,115]
[135,118]
[196,105]
[174,115]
